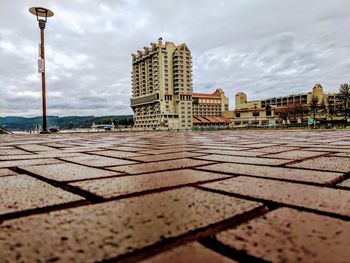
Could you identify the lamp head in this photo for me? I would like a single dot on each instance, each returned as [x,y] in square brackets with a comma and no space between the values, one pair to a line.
[41,12]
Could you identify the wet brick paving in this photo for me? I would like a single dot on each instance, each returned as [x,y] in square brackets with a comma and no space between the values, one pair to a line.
[222,196]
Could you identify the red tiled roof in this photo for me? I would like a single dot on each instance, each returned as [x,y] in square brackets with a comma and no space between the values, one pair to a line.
[209,119]
[212,119]
[203,120]
[218,119]
[222,119]
[196,121]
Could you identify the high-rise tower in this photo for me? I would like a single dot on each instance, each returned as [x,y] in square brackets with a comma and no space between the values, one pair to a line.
[162,86]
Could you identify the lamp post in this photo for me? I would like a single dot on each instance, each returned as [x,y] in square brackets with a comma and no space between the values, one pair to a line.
[41,16]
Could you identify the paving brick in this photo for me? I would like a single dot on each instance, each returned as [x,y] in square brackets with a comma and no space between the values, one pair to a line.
[169,150]
[78,149]
[274,149]
[288,235]
[159,166]
[340,164]
[112,187]
[57,145]
[117,154]
[14,163]
[220,147]
[330,149]
[345,183]
[138,145]
[21,192]
[342,154]
[86,233]
[192,252]
[103,231]
[41,155]
[252,144]
[129,149]
[276,172]
[243,159]
[295,155]
[97,161]
[11,151]
[67,171]
[229,152]
[341,143]
[36,148]
[6,172]
[308,196]
[165,156]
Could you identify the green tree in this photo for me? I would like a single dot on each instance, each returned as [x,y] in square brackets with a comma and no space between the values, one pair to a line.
[292,110]
[301,111]
[327,110]
[314,107]
[282,114]
[344,100]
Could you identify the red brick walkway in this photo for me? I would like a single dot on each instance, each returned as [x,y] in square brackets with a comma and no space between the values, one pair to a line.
[175,197]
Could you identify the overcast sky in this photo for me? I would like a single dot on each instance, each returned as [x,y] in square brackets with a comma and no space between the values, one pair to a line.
[261,47]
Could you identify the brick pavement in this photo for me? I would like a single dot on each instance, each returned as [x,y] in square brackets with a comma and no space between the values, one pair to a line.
[243,196]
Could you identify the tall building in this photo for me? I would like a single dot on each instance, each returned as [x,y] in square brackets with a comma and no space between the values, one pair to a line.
[162,86]
[208,108]
[294,108]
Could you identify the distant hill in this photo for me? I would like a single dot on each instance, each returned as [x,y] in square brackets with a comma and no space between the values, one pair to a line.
[14,123]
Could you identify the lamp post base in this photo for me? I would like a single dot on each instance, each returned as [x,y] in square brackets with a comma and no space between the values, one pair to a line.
[45,132]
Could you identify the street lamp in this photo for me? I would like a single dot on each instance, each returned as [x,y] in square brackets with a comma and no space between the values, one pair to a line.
[41,16]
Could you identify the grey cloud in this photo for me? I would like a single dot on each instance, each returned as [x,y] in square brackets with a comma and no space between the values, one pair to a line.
[264,48]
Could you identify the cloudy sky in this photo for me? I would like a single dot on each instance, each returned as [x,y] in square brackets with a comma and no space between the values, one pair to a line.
[262,47]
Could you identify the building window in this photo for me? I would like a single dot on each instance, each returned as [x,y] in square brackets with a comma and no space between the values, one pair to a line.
[238,115]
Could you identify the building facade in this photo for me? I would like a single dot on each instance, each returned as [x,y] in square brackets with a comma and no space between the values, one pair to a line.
[162,86]
[210,104]
[208,108]
[295,108]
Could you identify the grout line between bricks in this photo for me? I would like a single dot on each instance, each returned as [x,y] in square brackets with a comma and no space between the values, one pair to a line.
[182,239]
[270,203]
[19,148]
[340,178]
[165,170]
[90,197]
[146,173]
[268,165]
[112,157]
[306,158]
[75,190]
[42,210]
[162,189]
[239,255]
[97,167]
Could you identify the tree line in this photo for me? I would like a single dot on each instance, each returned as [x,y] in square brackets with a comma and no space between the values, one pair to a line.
[117,121]
[339,108]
